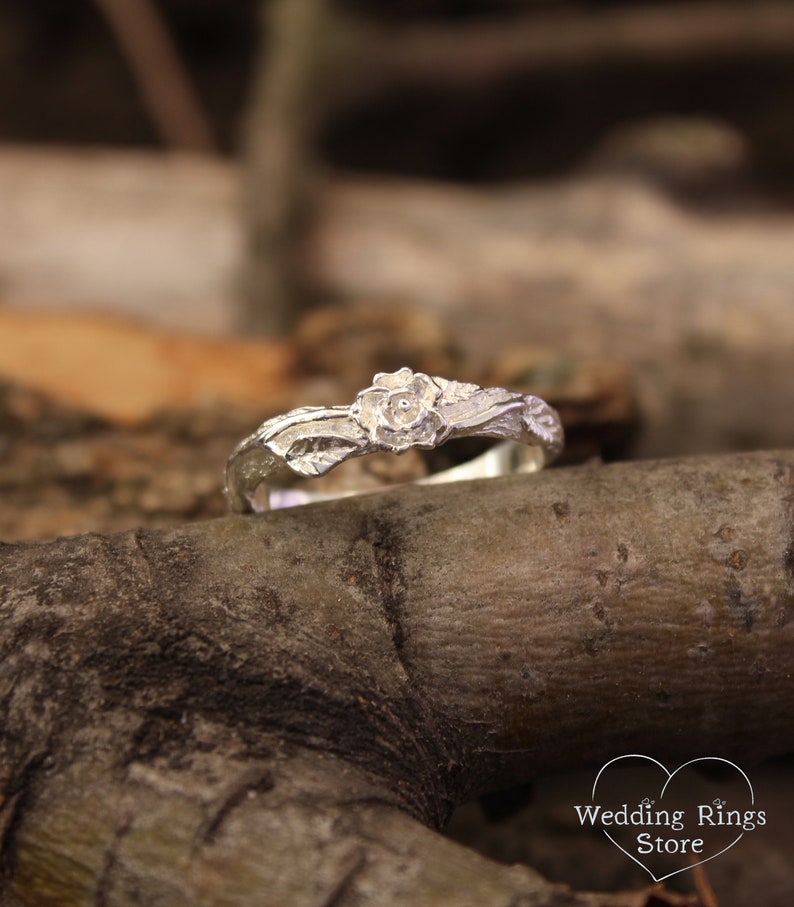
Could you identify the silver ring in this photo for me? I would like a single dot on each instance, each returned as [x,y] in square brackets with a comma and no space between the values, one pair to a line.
[399,411]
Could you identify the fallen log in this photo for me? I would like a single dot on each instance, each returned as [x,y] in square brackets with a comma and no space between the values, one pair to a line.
[698,305]
[278,709]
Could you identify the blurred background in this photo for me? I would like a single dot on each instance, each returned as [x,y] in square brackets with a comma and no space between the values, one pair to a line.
[211,213]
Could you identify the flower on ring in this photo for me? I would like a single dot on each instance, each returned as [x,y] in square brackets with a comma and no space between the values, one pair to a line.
[399,412]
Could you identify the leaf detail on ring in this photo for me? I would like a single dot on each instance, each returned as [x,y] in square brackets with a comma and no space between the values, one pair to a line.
[312,457]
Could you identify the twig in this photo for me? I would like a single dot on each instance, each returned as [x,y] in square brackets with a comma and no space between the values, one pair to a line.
[161,78]
[702,885]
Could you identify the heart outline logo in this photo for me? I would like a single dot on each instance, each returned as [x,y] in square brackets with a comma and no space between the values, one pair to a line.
[670,775]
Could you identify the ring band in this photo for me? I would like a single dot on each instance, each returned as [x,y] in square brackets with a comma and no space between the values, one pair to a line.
[399,411]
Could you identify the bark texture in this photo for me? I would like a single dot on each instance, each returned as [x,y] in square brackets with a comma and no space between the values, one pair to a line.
[279,709]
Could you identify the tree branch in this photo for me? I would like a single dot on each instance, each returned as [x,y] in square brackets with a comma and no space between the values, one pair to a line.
[484,51]
[254,707]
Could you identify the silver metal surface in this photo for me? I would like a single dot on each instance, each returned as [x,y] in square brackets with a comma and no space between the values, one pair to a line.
[400,410]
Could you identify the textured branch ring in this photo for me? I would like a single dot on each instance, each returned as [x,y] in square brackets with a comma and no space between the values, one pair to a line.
[399,411]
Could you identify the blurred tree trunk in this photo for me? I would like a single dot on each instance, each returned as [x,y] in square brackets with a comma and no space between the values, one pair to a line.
[284,100]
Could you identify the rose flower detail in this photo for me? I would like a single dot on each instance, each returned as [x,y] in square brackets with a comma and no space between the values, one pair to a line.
[399,412]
